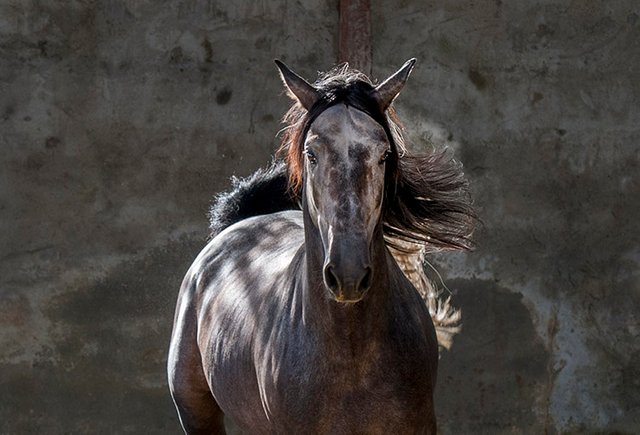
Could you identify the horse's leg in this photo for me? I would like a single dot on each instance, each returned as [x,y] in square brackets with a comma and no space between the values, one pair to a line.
[198,411]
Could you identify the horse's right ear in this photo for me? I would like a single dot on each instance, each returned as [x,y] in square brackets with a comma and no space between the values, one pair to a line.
[388,90]
[299,89]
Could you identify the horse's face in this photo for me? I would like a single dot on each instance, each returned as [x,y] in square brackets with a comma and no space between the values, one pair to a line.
[344,179]
[345,152]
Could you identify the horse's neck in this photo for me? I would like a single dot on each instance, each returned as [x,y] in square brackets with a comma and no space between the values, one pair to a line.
[344,324]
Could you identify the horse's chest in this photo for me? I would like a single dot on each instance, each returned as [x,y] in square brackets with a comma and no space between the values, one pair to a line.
[373,393]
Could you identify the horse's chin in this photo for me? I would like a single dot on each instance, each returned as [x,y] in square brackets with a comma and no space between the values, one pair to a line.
[346,300]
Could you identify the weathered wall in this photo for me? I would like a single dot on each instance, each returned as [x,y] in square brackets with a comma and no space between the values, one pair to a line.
[120,119]
[541,100]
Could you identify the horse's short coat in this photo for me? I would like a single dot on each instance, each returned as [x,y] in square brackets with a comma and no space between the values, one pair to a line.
[301,321]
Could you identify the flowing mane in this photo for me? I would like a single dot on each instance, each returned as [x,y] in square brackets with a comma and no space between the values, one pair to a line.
[427,198]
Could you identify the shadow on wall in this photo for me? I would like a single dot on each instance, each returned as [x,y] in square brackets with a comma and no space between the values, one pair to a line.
[498,355]
[104,370]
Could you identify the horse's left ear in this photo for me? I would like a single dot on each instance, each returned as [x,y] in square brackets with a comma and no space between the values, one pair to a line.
[388,90]
[298,87]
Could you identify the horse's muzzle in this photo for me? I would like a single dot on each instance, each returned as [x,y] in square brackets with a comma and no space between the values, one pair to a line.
[346,274]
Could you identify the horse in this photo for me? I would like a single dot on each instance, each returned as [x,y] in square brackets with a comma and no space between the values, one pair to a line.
[295,318]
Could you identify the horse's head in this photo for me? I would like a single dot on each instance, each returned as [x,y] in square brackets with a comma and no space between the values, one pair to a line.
[344,152]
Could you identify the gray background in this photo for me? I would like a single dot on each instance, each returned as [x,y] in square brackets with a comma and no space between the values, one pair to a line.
[120,119]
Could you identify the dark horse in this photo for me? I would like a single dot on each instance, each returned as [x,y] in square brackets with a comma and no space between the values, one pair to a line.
[300,321]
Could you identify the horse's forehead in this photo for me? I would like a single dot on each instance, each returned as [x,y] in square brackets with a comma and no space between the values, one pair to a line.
[341,122]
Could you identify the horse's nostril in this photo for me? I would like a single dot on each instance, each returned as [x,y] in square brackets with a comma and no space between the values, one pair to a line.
[365,282]
[347,284]
[330,278]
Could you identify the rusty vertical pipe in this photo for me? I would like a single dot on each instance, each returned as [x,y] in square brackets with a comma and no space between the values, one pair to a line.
[355,34]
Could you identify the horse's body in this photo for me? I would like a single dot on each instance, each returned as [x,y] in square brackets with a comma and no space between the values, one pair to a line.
[282,358]
[301,321]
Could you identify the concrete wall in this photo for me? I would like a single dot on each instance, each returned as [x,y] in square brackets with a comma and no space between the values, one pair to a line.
[120,119]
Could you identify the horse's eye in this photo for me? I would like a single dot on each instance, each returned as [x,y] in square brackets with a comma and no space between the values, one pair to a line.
[384,156]
[311,156]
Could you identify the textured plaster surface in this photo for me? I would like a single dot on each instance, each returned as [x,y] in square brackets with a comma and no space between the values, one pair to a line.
[119,121]
[541,101]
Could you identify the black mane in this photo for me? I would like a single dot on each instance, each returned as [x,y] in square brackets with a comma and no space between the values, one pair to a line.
[263,192]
